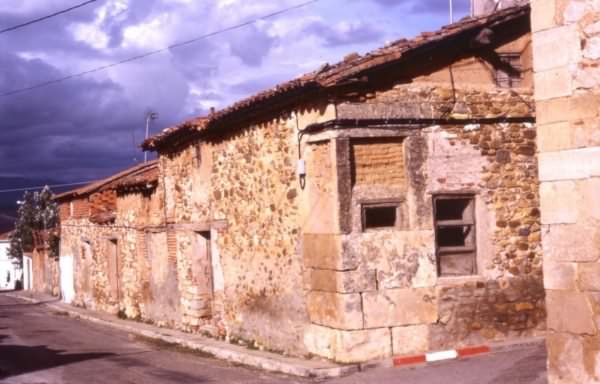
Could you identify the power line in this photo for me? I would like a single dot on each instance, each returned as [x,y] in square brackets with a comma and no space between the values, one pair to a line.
[22,189]
[14,27]
[157,51]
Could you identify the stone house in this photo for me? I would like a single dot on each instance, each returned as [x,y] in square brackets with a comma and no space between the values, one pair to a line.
[9,270]
[387,204]
[103,255]
[384,205]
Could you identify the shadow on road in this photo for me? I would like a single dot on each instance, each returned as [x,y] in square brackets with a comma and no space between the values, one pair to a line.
[19,359]
[26,304]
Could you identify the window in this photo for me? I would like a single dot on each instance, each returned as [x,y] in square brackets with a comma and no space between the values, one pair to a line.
[508,75]
[454,220]
[379,215]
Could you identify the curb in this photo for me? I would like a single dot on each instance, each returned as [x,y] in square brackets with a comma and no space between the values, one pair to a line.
[462,353]
[231,353]
[432,357]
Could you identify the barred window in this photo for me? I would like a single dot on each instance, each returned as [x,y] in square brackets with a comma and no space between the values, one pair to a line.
[510,74]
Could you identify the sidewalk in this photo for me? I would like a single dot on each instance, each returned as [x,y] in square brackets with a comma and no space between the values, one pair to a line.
[321,369]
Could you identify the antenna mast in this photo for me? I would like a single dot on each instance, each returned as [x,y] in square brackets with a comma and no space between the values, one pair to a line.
[451,12]
[149,116]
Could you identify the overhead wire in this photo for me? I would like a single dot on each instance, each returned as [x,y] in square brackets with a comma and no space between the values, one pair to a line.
[43,18]
[130,59]
[22,189]
[160,50]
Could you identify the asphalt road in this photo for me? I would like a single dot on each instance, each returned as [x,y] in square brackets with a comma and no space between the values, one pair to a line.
[39,346]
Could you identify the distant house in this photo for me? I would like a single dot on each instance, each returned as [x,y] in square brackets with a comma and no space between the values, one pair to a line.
[10,273]
[103,243]
[384,205]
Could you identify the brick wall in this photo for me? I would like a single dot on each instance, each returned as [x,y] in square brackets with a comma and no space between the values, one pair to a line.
[64,211]
[105,201]
[81,208]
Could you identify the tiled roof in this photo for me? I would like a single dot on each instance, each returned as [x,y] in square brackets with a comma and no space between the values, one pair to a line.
[5,236]
[328,76]
[142,173]
[147,177]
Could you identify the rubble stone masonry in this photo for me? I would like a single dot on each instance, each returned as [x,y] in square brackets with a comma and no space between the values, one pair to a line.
[233,242]
[381,294]
[566,43]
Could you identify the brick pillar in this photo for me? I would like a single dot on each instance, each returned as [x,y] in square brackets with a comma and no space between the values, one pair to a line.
[566,43]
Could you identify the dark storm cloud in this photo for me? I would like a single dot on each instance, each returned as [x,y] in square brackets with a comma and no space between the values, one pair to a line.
[86,127]
[76,129]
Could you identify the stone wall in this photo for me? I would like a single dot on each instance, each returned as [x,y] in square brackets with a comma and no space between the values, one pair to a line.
[185,179]
[111,267]
[382,295]
[235,244]
[566,44]
[259,197]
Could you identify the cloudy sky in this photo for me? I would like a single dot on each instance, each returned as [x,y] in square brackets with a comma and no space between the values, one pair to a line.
[90,126]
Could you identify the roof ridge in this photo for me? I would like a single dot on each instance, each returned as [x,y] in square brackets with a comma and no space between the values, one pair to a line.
[328,75]
[100,184]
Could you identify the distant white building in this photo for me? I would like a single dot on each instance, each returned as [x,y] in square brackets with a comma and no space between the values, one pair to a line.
[9,271]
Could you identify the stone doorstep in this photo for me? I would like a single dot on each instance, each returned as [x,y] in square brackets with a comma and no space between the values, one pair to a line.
[218,349]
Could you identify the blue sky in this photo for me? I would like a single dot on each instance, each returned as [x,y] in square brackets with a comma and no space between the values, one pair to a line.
[88,127]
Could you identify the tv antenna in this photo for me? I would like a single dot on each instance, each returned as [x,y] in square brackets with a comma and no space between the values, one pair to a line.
[150,115]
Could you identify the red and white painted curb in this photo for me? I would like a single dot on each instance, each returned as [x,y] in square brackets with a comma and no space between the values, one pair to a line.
[450,354]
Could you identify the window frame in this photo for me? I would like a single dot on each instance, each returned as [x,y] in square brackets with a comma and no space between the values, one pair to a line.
[471,222]
[391,203]
[514,60]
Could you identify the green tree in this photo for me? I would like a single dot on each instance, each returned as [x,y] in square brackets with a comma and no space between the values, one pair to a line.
[37,212]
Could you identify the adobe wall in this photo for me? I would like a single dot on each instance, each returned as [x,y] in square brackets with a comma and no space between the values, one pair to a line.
[45,272]
[478,71]
[382,295]
[566,42]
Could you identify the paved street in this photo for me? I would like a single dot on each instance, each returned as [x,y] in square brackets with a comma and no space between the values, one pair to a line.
[39,346]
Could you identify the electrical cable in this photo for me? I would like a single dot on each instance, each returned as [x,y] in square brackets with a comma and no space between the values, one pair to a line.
[22,189]
[43,18]
[157,51]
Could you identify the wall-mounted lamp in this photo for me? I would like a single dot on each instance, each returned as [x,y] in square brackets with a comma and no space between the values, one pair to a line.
[301,169]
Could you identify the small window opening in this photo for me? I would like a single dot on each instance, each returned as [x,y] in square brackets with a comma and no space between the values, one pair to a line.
[509,75]
[455,235]
[379,216]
